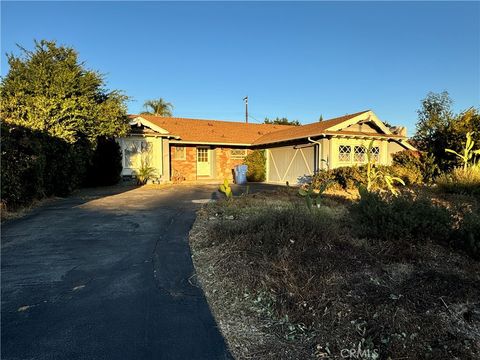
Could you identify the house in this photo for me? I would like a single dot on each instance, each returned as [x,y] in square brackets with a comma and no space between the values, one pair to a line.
[208,150]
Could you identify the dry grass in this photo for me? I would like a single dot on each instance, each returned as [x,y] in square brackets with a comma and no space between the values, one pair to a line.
[282,285]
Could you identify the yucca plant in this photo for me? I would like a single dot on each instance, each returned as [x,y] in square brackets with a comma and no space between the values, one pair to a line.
[468,153]
[145,172]
[379,178]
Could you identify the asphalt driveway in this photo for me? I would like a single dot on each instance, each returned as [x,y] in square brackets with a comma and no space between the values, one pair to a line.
[106,274]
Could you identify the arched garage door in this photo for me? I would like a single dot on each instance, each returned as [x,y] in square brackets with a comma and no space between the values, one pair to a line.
[290,164]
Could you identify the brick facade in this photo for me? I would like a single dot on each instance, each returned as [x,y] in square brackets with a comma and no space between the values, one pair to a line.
[222,167]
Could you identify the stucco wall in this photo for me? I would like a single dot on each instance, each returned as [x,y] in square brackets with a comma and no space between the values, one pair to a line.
[134,152]
[392,148]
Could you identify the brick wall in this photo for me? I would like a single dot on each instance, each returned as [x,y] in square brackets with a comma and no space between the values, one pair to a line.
[225,164]
[187,168]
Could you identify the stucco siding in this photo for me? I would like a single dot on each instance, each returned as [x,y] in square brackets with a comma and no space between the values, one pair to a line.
[138,150]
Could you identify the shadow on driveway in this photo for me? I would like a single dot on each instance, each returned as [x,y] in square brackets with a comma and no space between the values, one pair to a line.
[106,274]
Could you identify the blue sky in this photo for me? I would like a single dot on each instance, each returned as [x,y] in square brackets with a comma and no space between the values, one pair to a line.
[297,60]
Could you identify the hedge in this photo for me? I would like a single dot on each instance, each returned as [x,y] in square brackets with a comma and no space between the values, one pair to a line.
[35,165]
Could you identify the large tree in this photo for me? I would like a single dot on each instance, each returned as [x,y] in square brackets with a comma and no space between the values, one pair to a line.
[158,107]
[281,121]
[50,90]
[438,128]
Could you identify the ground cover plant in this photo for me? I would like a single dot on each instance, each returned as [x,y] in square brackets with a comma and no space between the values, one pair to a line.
[286,282]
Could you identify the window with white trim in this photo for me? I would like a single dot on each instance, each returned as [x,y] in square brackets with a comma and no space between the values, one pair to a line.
[179,153]
[344,153]
[359,153]
[375,153]
[238,154]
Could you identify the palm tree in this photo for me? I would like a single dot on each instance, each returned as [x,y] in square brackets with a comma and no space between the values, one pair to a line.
[158,108]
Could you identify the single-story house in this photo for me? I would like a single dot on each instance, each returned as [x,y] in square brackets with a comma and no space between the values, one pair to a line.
[208,150]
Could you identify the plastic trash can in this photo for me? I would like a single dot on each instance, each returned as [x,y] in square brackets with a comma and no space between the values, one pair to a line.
[241,174]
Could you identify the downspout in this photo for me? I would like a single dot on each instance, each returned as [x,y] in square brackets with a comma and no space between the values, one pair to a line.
[319,160]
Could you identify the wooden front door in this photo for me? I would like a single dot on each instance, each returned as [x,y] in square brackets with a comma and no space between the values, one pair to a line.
[203,162]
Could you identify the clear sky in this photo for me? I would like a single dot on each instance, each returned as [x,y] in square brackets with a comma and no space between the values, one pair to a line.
[297,60]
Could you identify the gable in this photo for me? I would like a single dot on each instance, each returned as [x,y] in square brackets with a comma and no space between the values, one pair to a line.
[364,127]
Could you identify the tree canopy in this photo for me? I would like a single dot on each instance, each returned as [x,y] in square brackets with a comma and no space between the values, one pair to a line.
[158,107]
[281,121]
[50,90]
[438,128]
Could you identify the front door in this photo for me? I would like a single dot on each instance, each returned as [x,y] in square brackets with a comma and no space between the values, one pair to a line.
[203,162]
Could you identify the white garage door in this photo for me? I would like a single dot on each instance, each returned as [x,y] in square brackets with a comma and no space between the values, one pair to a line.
[290,164]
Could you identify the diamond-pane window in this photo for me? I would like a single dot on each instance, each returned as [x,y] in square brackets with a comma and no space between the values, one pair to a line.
[344,153]
[375,153]
[359,153]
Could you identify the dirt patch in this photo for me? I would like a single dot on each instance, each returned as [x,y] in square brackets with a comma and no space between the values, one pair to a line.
[282,284]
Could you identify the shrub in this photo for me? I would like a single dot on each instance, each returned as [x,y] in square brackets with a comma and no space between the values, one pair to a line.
[349,177]
[461,181]
[35,164]
[256,163]
[400,218]
[467,236]
[346,177]
[106,165]
[414,167]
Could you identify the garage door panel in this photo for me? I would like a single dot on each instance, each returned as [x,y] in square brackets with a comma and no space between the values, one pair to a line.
[290,164]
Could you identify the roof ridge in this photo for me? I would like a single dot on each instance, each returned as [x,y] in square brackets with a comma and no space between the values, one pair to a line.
[204,120]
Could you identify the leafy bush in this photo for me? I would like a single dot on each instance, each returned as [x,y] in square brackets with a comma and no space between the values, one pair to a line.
[106,165]
[35,164]
[467,236]
[400,218]
[343,177]
[414,167]
[256,163]
[461,181]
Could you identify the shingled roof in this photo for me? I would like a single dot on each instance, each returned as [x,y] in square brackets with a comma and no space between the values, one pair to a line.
[304,131]
[212,131]
[238,133]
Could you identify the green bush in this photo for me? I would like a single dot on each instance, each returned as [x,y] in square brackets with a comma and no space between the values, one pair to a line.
[256,163]
[106,164]
[414,167]
[346,177]
[402,218]
[461,181]
[467,236]
[35,164]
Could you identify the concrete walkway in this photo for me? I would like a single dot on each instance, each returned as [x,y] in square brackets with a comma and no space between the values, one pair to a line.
[106,274]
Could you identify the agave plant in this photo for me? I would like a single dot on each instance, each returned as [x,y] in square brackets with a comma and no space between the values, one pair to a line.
[468,152]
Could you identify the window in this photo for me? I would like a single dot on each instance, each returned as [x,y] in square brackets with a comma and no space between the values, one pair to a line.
[359,153]
[375,153]
[136,152]
[179,153]
[202,155]
[344,153]
[238,153]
